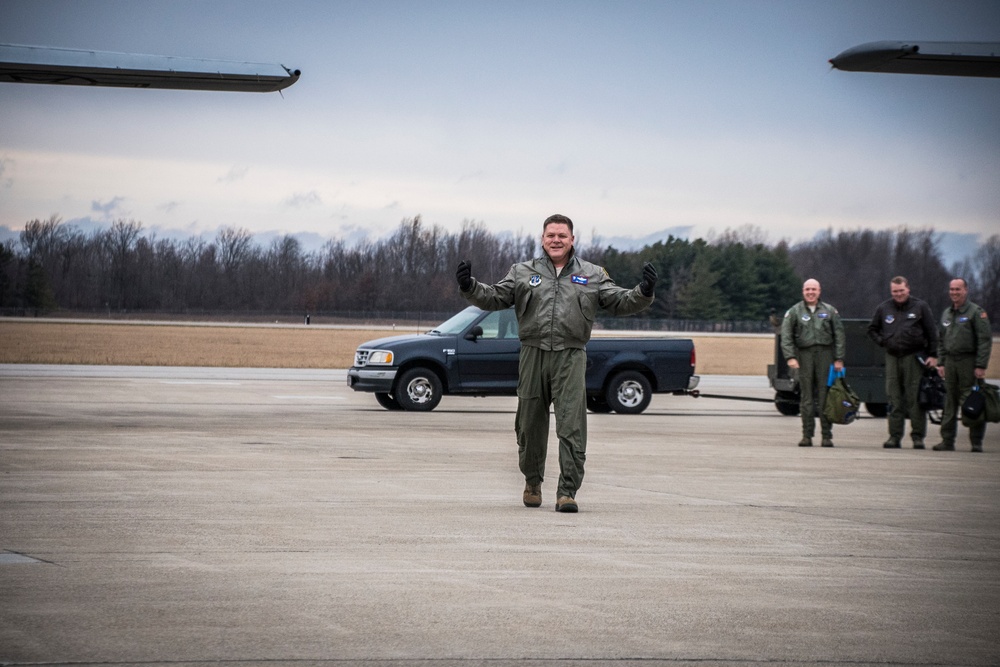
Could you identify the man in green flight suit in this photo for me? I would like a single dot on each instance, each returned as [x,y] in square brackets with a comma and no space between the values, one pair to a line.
[555,298]
[812,338]
[964,347]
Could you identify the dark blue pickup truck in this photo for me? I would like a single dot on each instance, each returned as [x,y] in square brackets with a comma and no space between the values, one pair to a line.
[475,353]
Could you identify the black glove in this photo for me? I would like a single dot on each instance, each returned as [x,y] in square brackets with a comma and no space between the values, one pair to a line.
[648,280]
[464,275]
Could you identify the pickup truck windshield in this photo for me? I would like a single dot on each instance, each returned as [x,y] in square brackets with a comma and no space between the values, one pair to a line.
[457,323]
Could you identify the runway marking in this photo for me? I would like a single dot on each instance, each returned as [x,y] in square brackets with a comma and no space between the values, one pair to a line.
[11,558]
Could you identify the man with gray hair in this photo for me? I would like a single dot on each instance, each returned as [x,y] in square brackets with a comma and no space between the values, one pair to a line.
[963,356]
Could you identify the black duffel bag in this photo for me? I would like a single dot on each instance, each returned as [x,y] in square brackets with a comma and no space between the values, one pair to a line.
[980,403]
[931,393]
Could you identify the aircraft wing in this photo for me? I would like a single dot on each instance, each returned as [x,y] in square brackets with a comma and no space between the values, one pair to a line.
[38,64]
[946,58]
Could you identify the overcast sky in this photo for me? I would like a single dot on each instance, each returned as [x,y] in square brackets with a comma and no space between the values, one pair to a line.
[630,117]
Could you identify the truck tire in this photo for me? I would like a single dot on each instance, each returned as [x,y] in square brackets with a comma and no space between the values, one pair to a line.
[418,389]
[628,393]
[387,401]
[877,409]
[787,403]
[598,404]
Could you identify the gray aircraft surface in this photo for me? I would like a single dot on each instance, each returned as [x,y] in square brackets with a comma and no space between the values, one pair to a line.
[944,58]
[42,64]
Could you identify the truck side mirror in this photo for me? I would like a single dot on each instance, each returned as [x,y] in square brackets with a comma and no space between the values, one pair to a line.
[474,333]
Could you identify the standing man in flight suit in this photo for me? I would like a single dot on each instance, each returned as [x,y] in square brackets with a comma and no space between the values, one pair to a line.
[812,338]
[963,356]
[556,298]
[905,327]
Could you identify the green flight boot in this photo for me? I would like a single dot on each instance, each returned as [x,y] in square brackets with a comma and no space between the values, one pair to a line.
[532,495]
[566,504]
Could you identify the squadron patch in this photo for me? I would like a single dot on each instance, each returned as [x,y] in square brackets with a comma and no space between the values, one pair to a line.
[806,318]
[580,280]
[535,280]
[889,319]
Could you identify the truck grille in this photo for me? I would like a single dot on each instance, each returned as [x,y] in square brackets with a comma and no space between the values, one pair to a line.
[361,357]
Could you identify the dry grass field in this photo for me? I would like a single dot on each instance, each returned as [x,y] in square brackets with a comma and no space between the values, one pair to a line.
[283,346]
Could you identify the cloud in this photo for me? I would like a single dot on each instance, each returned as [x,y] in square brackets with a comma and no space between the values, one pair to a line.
[169,207]
[472,176]
[107,209]
[304,199]
[6,167]
[622,242]
[235,173]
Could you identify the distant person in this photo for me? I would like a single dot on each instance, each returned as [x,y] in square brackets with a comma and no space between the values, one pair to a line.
[812,339]
[905,327]
[556,298]
[963,357]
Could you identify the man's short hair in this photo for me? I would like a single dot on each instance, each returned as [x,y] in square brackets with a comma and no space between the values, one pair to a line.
[965,283]
[558,219]
[900,280]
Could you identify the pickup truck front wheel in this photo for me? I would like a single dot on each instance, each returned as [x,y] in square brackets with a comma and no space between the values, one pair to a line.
[629,393]
[418,389]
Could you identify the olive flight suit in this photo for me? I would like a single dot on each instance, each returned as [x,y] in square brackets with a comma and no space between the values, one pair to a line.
[965,344]
[814,337]
[555,317]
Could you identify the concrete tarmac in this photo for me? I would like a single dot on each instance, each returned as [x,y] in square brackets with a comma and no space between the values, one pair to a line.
[164,516]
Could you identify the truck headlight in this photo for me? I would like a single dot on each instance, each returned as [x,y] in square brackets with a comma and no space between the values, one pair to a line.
[382,357]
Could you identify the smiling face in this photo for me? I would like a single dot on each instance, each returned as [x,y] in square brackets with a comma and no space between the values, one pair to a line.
[900,292]
[957,292]
[557,241]
[810,292]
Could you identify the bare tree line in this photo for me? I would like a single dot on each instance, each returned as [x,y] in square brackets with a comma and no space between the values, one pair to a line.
[735,277]
[855,268]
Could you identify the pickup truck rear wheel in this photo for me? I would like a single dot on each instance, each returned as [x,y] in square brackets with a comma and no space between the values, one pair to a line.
[387,401]
[418,389]
[629,393]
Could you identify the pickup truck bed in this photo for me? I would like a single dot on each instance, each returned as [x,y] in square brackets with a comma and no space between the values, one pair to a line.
[475,353]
